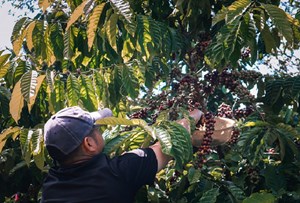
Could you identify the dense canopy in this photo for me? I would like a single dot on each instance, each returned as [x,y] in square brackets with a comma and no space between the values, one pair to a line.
[151,61]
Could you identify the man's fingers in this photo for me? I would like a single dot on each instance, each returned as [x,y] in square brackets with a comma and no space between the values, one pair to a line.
[196,114]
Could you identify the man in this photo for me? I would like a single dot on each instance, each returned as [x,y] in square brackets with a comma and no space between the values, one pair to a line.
[84,173]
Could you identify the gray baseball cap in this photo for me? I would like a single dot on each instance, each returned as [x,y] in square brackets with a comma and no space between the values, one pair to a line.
[66,129]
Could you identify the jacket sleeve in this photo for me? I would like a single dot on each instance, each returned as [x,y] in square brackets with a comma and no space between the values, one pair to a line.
[138,167]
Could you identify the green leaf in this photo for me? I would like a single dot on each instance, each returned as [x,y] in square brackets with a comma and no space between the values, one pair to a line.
[38,147]
[236,9]
[194,175]
[57,41]
[260,197]
[164,138]
[49,49]
[130,82]
[50,79]
[280,20]
[101,89]
[73,90]
[227,44]
[275,179]
[288,129]
[87,93]
[29,84]
[111,31]
[128,49]
[19,25]
[273,91]
[26,144]
[237,192]
[114,144]
[18,43]
[37,141]
[268,39]
[248,33]
[145,39]
[293,85]
[176,41]
[259,146]
[246,139]
[210,196]
[175,141]
[39,159]
[57,96]
[40,80]
[93,22]
[5,96]
[69,44]
[20,68]
[38,40]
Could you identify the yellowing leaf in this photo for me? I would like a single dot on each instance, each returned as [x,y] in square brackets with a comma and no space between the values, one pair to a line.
[93,24]
[8,132]
[249,124]
[17,44]
[40,80]
[17,102]
[114,121]
[44,4]
[3,59]
[4,69]
[29,35]
[76,14]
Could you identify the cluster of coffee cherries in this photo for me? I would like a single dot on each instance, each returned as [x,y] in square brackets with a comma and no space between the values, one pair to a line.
[227,79]
[235,134]
[197,54]
[231,80]
[189,93]
[205,146]
[141,114]
[253,175]
[246,75]
[224,110]
[243,113]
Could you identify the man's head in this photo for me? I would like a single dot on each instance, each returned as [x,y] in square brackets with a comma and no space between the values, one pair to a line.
[69,128]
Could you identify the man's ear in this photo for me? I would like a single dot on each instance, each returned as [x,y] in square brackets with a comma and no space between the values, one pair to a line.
[89,144]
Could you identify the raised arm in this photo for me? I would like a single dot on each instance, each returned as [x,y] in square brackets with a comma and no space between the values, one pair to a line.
[163,159]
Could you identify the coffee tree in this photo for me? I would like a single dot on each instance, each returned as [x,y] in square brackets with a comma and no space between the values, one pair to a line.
[152,62]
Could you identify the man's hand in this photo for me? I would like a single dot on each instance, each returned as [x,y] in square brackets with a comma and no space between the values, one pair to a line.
[163,159]
[196,114]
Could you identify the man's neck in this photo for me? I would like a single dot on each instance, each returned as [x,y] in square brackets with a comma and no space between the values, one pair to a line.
[77,160]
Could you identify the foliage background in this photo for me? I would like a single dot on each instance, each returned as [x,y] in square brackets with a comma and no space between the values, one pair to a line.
[152,61]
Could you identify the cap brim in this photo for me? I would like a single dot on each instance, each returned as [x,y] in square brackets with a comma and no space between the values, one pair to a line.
[97,115]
